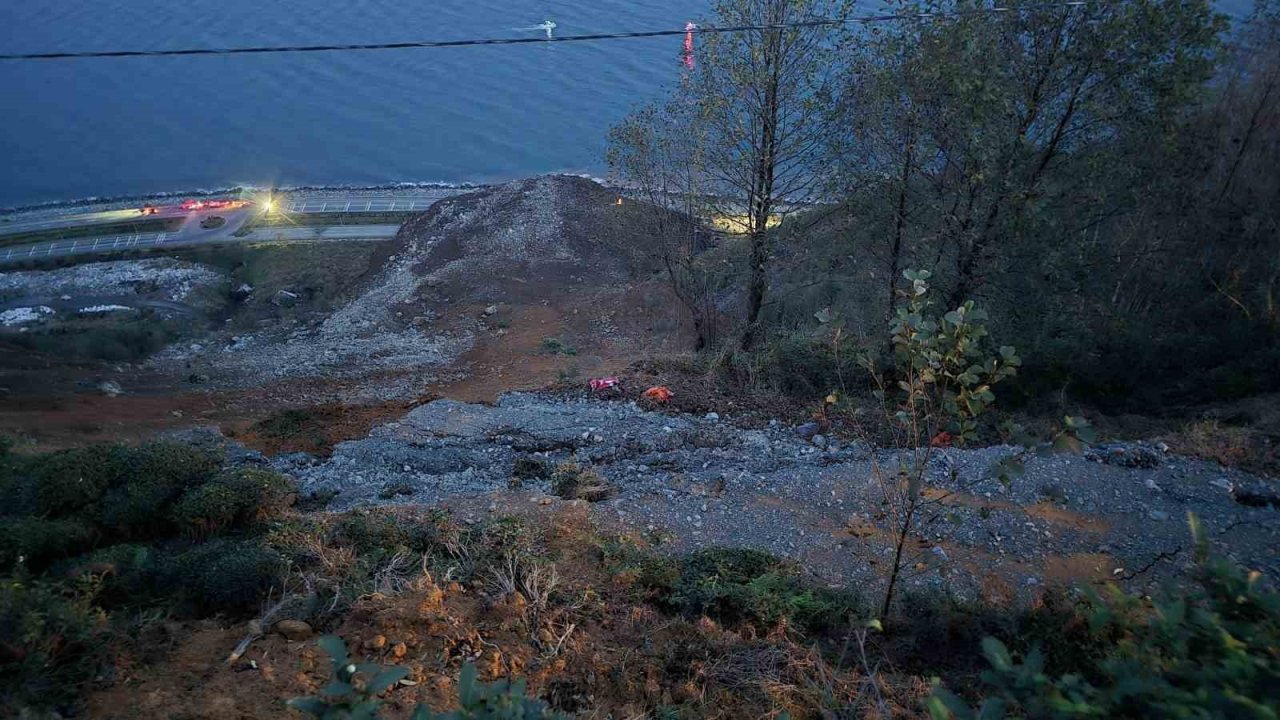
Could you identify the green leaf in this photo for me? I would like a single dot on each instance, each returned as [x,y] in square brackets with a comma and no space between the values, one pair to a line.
[337,688]
[422,712]
[386,679]
[997,654]
[467,685]
[309,705]
[1066,443]
[992,709]
[945,705]
[335,648]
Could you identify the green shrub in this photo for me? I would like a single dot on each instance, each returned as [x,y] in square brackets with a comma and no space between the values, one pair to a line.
[157,474]
[128,575]
[35,543]
[74,481]
[1209,651]
[206,509]
[369,532]
[222,575]
[527,467]
[737,585]
[498,700]
[354,689]
[234,498]
[49,646]
[799,364]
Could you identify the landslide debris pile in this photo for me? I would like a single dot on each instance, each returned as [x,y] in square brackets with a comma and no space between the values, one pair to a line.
[707,482]
[547,242]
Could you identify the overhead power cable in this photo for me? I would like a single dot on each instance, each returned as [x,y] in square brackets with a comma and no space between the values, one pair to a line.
[699,30]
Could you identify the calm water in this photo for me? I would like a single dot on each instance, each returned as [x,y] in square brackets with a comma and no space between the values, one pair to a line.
[71,129]
[78,128]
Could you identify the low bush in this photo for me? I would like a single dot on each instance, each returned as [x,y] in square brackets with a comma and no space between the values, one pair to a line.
[372,531]
[222,575]
[531,468]
[355,692]
[33,543]
[127,575]
[233,499]
[74,481]
[49,645]
[737,585]
[572,481]
[157,474]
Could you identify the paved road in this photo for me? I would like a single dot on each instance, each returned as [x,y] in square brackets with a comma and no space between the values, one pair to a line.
[360,205]
[87,246]
[294,203]
[57,222]
[191,232]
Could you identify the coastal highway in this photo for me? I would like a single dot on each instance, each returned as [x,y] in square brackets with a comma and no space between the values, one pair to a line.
[191,231]
[87,246]
[293,203]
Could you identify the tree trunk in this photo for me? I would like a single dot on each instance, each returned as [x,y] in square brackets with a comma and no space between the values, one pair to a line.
[761,197]
[896,569]
[900,224]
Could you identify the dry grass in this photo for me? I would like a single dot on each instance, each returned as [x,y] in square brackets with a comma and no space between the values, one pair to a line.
[1228,445]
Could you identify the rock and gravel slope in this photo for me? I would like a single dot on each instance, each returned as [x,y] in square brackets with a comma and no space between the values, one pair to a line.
[703,482]
[490,274]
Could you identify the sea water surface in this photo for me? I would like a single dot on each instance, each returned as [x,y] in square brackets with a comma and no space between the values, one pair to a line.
[108,127]
[104,127]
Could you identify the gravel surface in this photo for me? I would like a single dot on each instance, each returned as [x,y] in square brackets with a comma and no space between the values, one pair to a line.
[706,482]
[174,280]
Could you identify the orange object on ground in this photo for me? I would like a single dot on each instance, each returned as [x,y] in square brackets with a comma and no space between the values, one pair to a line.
[942,439]
[661,394]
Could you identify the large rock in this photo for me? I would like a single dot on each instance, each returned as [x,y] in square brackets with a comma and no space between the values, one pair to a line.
[295,630]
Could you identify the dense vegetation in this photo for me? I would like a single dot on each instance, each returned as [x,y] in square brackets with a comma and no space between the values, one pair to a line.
[1101,177]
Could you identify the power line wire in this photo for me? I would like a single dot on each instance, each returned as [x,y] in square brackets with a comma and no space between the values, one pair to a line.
[700,30]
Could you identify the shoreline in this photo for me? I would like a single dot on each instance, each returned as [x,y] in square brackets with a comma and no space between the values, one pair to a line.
[134,198]
[405,186]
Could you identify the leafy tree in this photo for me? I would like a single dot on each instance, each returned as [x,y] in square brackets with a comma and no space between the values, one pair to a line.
[750,129]
[656,151]
[944,378]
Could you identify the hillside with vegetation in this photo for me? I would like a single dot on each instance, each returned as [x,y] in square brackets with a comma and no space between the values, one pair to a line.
[917,367]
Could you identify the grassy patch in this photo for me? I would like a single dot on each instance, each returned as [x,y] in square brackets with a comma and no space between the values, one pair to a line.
[556,346]
[107,339]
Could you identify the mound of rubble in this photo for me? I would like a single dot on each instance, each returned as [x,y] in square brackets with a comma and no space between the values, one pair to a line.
[539,259]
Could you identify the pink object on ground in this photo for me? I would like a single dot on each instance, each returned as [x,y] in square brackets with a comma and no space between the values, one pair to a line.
[598,384]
